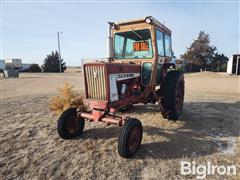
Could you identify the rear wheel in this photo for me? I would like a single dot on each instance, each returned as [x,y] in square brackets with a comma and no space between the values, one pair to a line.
[172,91]
[69,124]
[130,138]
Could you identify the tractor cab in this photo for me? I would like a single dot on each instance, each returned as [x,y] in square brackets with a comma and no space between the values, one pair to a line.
[144,41]
[138,57]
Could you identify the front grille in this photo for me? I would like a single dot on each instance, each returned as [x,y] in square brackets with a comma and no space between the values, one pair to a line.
[96,82]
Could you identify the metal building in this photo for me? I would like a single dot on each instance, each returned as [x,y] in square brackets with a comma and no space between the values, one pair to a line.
[13,63]
[233,65]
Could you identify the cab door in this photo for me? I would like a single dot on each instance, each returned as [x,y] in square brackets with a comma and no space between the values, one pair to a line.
[164,52]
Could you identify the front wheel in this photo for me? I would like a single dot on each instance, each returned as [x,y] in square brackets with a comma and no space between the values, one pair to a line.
[130,138]
[69,124]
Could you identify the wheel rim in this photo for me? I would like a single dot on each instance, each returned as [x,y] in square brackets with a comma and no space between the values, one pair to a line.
[135,139]
[179,97]
[72,124]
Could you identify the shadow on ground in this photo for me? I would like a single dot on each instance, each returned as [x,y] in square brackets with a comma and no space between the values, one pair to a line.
[204,125]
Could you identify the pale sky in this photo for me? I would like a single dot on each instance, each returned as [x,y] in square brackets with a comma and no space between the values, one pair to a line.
[29,29]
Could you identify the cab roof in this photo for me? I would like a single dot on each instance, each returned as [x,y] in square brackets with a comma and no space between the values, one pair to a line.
[153,21]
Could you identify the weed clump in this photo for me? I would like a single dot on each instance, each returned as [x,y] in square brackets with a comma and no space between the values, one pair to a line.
[67,97]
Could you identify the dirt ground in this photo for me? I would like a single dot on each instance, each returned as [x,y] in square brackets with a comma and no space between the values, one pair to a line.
[208,130]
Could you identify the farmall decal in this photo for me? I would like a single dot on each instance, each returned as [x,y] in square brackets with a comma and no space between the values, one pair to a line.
[124,76]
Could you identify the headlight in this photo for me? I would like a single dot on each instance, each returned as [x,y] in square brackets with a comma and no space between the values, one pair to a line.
[148,20]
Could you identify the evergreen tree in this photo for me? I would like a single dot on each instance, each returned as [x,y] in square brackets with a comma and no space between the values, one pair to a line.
[200,54]
[219,63]
[51,63]
[34,68]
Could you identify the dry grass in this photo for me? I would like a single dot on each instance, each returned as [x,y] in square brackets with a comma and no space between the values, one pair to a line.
[30,147]
[73,70]
[67,97]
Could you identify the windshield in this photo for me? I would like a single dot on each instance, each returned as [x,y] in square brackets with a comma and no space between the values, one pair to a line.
[134,44]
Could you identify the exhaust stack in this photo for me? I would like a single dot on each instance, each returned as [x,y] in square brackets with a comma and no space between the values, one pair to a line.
[110,42]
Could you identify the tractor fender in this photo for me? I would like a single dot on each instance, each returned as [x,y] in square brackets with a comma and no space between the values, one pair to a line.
[164,70]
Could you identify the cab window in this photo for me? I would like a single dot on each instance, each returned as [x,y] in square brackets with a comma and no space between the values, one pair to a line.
[134,44]
[160,44]
[167,42]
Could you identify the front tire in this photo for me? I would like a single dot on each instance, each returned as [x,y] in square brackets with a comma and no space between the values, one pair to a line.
[69,124]
[173,95]
[130,138]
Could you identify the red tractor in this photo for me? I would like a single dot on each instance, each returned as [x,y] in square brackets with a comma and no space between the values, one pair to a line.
[138,70]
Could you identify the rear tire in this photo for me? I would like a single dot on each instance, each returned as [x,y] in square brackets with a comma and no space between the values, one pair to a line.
[172,91]
[130,138]
[69,124]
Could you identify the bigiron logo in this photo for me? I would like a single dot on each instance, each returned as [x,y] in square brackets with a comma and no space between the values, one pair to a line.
[203,170]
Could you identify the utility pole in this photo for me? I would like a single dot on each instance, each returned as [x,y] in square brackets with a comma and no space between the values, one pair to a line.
[59,52]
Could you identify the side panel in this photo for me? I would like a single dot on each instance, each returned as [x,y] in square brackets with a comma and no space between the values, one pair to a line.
[113,87]
[118,73]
